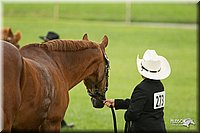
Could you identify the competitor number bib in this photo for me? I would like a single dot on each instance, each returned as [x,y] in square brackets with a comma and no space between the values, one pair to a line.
[159,100]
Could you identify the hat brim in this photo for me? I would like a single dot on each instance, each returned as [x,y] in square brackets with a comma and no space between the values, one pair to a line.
[44,38]
[162,74]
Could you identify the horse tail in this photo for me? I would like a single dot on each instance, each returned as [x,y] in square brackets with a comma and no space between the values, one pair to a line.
[12,68]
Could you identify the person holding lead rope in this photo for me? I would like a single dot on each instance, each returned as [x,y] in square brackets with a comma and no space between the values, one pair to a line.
[145,107]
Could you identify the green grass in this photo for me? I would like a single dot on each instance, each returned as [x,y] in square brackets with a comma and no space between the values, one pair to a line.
[179,13]
[125,42]
[175,13]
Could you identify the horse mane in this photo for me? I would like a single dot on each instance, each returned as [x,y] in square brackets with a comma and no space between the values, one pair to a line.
[67,45]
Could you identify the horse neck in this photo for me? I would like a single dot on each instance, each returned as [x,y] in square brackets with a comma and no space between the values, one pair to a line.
[76,66]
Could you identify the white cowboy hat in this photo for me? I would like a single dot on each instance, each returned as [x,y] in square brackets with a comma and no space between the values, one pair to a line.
[153,66]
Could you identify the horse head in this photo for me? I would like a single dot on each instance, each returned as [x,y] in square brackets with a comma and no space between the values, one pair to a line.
[97,83]
[8,36]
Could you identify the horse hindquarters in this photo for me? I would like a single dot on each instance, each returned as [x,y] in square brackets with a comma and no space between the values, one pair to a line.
[56,113]
[37,95]
[11,91]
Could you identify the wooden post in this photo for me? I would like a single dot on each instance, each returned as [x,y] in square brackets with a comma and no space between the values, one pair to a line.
[56,11]
[128,11]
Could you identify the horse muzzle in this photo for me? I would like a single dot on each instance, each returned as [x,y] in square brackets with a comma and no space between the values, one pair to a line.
[97,103]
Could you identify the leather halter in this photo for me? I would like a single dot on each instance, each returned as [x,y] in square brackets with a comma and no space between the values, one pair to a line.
[105,75]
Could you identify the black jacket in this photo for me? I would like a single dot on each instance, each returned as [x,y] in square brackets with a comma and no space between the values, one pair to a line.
[145,108]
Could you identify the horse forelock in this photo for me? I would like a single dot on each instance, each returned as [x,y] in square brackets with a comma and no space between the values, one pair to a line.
[68,45]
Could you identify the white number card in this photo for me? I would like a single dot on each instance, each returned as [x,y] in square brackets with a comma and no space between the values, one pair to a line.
[159,100]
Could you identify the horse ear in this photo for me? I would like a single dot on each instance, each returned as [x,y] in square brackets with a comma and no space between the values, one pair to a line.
[10,34]
[17,36]
[85,37]
[4,33]
[104,42]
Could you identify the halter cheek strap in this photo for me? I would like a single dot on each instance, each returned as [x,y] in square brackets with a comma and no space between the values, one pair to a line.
[106,71]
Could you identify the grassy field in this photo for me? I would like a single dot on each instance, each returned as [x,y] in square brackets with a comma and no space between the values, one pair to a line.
[175,13]
[178,45]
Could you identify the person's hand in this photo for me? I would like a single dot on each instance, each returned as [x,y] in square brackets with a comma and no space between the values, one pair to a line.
[109,102]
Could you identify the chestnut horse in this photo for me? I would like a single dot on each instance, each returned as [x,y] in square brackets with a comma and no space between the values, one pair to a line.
[8,36]
[12,100]
[46,72]
[11,83]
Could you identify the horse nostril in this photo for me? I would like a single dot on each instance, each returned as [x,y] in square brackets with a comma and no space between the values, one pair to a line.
[97,103]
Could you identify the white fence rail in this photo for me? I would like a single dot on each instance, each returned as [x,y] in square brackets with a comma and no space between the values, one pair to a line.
[104,1]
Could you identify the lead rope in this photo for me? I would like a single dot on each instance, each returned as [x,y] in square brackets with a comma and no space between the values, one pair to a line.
[114,119]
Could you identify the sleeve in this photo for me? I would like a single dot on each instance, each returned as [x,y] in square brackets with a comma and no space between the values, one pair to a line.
[138,99]
[121,103]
